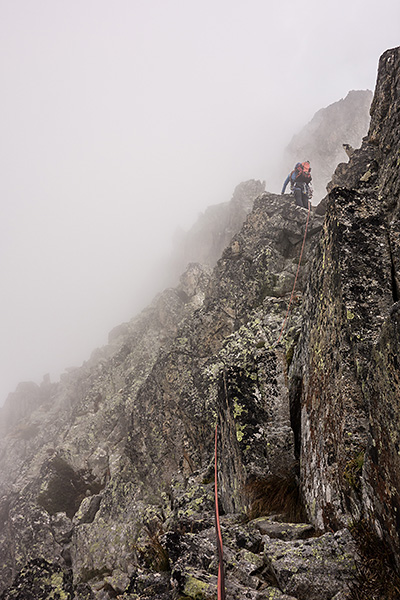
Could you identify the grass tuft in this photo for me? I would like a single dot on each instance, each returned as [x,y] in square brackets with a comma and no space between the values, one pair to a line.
[377,577]
[276,494]
[152,553]
[353,471]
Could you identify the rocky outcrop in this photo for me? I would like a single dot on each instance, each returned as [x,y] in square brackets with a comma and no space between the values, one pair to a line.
[76,446]
[20,404]
[122,453]
[345,377]
[321,140]
[214,229]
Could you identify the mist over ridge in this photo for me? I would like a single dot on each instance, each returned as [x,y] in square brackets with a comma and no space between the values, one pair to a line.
[121,124]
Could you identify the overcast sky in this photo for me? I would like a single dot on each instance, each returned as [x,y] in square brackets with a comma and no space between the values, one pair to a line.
[122,120]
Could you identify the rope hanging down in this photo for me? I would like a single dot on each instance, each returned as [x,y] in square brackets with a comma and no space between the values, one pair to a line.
[221,575]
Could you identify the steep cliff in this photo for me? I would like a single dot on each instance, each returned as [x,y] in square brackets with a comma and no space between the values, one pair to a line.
[346,373]
[107,477]
[120,455]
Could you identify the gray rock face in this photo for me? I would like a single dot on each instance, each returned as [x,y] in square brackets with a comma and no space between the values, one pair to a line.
[345,374]
[215,228]
[123,455]
[77,449]
[284,531]
[218,363]
[316,569]
[20,404]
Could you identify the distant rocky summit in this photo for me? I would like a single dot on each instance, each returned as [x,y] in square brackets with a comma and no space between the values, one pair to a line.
[107,477]
[321,140]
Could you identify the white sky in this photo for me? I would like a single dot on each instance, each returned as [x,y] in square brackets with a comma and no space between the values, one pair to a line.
[123,119]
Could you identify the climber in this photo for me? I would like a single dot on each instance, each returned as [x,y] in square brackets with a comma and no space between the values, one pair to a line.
[300,179]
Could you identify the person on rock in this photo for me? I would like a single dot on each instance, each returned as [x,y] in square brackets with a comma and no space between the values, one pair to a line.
[300,180]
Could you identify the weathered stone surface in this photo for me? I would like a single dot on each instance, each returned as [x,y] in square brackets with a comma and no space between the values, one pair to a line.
[215,228]
[87,510]
[382,466]
[284,531]
[79,440]
[315,569]
[344,372]
[172,418]
[41,580]
[171,421]
[201,350]
[195,567]
[33,536]
[272,593]
[346,300]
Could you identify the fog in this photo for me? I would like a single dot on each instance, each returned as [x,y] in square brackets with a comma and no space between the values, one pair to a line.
[122,120]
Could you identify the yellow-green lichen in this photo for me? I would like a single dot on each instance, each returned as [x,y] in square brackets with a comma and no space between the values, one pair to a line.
[240,431]
[272,593]
[238,409]
[195,588]
[57,581]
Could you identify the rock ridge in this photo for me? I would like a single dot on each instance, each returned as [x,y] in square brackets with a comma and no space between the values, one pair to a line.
[106,484]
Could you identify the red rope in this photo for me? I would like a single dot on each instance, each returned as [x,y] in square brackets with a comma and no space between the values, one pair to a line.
[297,274]
[221,575]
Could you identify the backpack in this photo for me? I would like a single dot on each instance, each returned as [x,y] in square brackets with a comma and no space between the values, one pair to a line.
[301,173]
